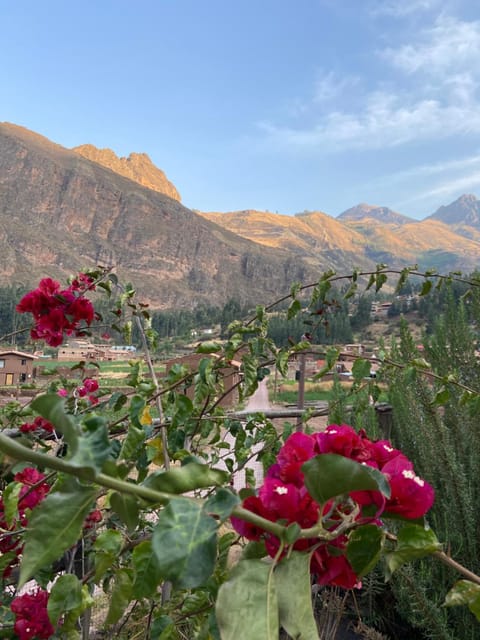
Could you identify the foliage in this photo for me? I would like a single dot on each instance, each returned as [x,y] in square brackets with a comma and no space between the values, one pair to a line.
[142,506]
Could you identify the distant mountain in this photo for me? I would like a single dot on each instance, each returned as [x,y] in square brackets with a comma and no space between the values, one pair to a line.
[60,212]
[137,167]
[464,211]
[343,243]
[381,214]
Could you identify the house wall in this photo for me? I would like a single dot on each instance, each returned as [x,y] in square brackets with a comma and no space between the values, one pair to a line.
[15,369]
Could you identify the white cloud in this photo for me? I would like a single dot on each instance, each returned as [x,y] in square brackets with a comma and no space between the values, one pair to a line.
[331,85]
[450,45]
[452,187]
[433,169]
[441,65]
[386,121]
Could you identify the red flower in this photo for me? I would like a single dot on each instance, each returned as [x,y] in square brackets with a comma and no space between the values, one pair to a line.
[90,385]
[331,567]
[31,617]
[411,496]
[56,312]
[39,425]
[344,441]
[297,449]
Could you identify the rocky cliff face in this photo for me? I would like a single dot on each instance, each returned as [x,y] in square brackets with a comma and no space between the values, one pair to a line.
[464,211]
[137,167]
[60,212]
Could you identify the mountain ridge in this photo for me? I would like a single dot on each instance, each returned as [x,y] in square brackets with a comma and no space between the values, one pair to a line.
[61,211]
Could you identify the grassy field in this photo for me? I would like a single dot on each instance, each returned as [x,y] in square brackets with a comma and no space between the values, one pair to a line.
[287,392]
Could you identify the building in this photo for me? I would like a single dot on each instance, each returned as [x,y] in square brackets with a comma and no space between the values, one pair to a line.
[16,367]
[230,375]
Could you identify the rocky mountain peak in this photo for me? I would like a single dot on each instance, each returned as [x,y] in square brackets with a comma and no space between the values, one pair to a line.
[137,167]
[463,211]
[382,214]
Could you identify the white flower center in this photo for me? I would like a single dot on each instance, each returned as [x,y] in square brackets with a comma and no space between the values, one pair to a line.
[387,448]
[411,476]
[281,491]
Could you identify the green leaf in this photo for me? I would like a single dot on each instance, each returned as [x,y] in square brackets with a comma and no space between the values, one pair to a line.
[426,286]
[93,448]
[294,308]
[413,542]
[147,575]
[249,368]
[465,592]
[292,579]
[292,533]
[52,407]
[221,503]
[187,478]
[247,603]
[133,443]
[364,548]
[361,369]
[184,541]
[10,501]
[380,280]
[55,525]
[65,596]
[121,596]
[163,628]
[127,509]
[281,362]
[107,546]
[329,475]
[208,347]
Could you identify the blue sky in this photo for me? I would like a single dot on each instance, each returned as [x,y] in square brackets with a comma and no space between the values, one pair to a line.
[279,105]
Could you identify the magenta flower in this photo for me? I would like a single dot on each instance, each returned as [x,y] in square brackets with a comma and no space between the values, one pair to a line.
[31,617]
[56,313]
[345,441]
[411,496]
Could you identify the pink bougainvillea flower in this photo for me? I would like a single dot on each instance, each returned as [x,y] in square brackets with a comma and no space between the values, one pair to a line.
[247,529]
[343,440]
[298,448]
[31,617]
[83,282]
[90,385]
[62,393]
[93,518]
[56,312]
[34,489]
[39,425]
[331,567]
[411,496]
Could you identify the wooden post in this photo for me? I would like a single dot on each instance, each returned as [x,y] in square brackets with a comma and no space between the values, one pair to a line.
[301,392]
[384,413]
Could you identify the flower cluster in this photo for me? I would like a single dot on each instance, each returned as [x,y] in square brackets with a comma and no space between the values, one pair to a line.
[33,490]
[283,496]
[31,616]
[39,426]
[58,312]
[86,390]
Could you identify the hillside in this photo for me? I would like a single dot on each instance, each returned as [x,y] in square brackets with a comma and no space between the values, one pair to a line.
[60,212]
[358,238]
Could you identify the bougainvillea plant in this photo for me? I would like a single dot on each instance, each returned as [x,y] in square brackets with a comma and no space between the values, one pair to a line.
[143,507]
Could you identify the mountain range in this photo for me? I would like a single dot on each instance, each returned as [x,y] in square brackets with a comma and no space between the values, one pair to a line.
[62,210]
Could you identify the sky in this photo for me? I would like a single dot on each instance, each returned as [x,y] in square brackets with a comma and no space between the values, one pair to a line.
[274,105]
